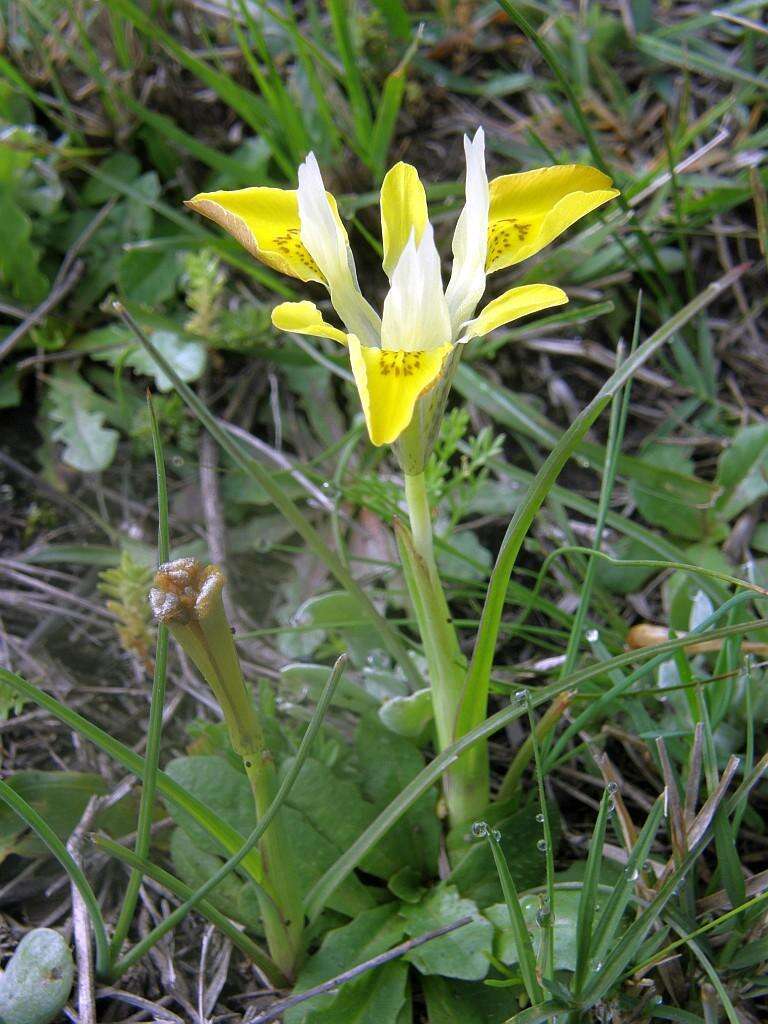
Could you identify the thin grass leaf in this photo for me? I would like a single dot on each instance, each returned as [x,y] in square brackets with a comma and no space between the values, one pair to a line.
[622,892]
[526,957]
[588,897]
[205,816]
[476,684]
[238,938]
[41,827]
[178,915]
[157,702]
[336,874]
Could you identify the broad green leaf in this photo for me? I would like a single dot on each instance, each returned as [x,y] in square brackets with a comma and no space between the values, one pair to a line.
[742,471]
[61,798]
[148,277]
[371,933]
[186,357]
[474,874]
[216,782]
[462,1002]
[565,910]
[79,417]
[408,716]
[657,506]
[316,854]
[336,809]
[19,258]
[233,897]
[10,393]
[462,953]
[331,612]
[376,997]
[308,679]
[387,763]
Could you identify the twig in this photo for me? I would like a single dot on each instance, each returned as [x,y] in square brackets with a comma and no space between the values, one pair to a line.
[86,998]
[68,275]
[277,1009]
[54,297]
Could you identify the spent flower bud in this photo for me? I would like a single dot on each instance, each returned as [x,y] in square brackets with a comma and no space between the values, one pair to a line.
[187,598]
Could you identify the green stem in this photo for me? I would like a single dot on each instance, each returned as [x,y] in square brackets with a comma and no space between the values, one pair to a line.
[283,915]
[466,793]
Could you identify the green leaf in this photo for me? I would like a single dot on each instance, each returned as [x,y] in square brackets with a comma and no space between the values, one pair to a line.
[60,798]
[463,953]
[461,1002]
[19,258]
[231,896]
[78,412]
[376,997]
[336,809]
[10,393]
[308,679]
[408,716]
[474,873]
[371,933]
[186,357]
[656,505]
[317,854]
[214,781]
[742,471]
[148,277]
[387,763]
[565,910]
[331,612]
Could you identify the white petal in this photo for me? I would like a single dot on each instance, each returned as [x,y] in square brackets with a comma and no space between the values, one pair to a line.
[326,240]
[415,311]
[470,240]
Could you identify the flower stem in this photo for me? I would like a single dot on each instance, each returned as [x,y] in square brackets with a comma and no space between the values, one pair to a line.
[465,795]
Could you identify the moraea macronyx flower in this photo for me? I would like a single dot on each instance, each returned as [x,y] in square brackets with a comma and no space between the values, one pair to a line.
[399,356]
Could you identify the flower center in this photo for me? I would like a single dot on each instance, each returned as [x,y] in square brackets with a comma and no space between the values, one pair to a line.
[399,364]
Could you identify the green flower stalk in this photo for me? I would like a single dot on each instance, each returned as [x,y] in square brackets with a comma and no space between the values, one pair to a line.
[187,597]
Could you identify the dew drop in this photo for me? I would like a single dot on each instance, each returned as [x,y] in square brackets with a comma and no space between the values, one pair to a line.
[480,829]
[612,787]
[632,874]
[539,817]
[496,835]
[596,965]
[592,635]
[521,696]
[541,845]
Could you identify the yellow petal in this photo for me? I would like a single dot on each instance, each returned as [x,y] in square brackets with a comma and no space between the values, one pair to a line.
[529,210]
[266,222]
[390,382]
[305,318]
[517,302]
[403,210]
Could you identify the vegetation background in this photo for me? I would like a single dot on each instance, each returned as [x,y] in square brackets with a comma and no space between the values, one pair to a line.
[113,112]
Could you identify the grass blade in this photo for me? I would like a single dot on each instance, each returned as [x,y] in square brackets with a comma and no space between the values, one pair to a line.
[284,789]
[526,957]
[476,684]
[157,702]
[588,895]
[41,827]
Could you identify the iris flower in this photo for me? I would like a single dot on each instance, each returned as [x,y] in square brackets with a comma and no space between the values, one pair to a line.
[401,355]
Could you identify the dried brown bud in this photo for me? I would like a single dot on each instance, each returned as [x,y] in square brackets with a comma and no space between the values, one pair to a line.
[184,590]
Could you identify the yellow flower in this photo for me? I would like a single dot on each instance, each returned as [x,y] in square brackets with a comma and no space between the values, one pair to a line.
[399,356]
